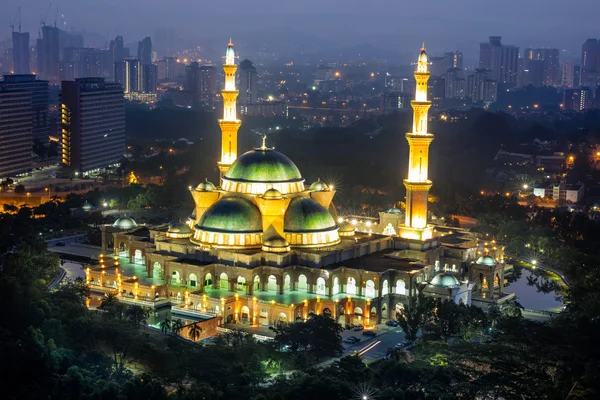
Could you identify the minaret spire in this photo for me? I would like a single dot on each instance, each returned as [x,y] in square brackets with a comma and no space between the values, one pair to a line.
[229,124]
[417,184]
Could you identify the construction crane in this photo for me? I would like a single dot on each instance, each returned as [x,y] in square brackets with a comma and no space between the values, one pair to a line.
[44,16]
[12,23]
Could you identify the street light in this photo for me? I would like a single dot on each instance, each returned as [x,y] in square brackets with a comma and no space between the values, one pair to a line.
[534,262]
[28,194]
[525,186]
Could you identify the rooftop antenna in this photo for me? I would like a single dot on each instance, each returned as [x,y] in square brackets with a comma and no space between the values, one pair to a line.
[56,16]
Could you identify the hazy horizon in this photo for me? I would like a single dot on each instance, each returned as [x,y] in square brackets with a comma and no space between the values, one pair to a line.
[398,26]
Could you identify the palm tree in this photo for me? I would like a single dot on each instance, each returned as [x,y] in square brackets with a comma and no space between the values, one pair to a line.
[194,331]
[137,315]
[109,304]
[494,314]
[165,326]
[176,326]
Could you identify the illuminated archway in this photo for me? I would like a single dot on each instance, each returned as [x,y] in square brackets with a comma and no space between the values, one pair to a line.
[208,281]
[245,314]
[175,277]
[223,281]
[157,270]
[287,282]
[272,283]
[241,284]
[336,285]
[256,283]
[321,289]
[385,289]
[400,287]
[193,280]
[370,289]
[351,286]
[302,283]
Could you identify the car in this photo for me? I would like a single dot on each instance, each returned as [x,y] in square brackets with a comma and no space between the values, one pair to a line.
[60,244]
[391,323]
[370,333]
[351,340]
[404,343]
[358,328]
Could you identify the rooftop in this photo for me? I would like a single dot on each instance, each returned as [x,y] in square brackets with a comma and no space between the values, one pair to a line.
[381,261]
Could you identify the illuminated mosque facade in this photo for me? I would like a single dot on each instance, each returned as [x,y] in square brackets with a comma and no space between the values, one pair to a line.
[264,247]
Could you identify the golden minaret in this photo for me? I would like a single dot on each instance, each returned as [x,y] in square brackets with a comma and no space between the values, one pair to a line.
[229,124]
[417,185]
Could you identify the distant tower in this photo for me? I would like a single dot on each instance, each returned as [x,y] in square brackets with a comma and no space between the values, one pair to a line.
[229,124]
[417,185]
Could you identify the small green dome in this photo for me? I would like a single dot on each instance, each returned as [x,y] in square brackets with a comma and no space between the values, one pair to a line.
[306,215]
[445,280]
[125,223]
[275,243]
[87,206]
[263,165]
[486,260]
[205,186]
[179,228]
[272,194]
[394,210]
[318,185]
[346,229]
[233,214]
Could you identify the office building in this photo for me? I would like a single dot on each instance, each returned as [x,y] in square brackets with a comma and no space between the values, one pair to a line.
[567,74]
[20,42]
[145,50]
[138,80]
[201,81]
[15,132]
[480,88]
[561,192]
[590,63]
[455,84]
[39,100]
[436,91]
[248,89]
[540,67]
[450,59]
[578,99]
[501,60]
[93,125]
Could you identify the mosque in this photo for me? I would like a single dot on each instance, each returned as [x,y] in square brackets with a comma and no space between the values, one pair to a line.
[263,247]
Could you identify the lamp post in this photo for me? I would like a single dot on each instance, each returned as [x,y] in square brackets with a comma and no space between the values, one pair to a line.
[28,194]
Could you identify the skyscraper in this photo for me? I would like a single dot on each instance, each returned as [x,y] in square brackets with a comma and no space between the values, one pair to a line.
[48,53]
[201,82]
[20,41]
[480,88]
[567,74]
[15,132]
[455,84]
[417,184]
[39,101]
[501,60]
[145,50]
[247,76]
[93,125]
[230,124]
[138,80]
[578,99]
[540,67]
[590,63]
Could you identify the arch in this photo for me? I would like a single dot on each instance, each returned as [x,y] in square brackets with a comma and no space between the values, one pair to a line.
[241,284]
[321,289]
[351,286]
[385,287]
[256,282]
[370,289]
[373,311]
[384,311]
[175,277]
[157,271]
[400,287]
[282,317]
[302,283]
[272,283]
[496,281]
[358,311]
[223,281]
[327,312]
[208,280]
[193,280]
[263,317]
[122,247]
[336,285]
[399,309]
[138,257]
[245,314]
[287,282]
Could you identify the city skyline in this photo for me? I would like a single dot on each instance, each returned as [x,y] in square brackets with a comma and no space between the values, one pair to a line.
[382,24]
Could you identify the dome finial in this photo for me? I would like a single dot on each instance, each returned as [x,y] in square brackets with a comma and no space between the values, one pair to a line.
[264,142]
[231,41]
[423,46]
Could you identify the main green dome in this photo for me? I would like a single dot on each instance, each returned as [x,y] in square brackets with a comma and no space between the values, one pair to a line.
[445,280]
[486,260]
[306,215]
[263,165]
[232,214]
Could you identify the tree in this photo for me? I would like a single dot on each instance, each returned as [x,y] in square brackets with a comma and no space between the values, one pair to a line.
[137,315]
[319,336]
[165,326]
[19,189]
[194,331]
[176,326]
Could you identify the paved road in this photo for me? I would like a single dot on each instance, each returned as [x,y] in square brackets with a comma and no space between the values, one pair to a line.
[73,271]
[539,265]
[66,240]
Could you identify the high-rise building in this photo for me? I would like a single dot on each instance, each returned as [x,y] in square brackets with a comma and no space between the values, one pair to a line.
[201,82]
[145,50]
[39,100]
[480,88]
[578,99]
[417,183]
[567,74]
[139,81]
[501,60]
[15,132]
[436,91]
[93,125]
[540,67]
[248,90]
[20,41]
[230,124]
[590,63]
[455,84]
[451,59]
[48,53]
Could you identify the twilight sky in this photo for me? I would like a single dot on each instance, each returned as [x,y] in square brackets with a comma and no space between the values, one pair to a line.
[443,24]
